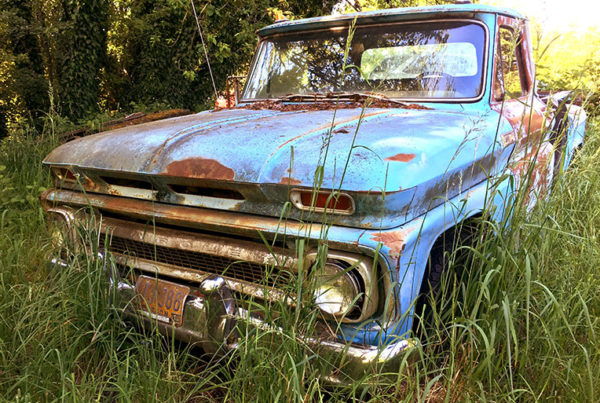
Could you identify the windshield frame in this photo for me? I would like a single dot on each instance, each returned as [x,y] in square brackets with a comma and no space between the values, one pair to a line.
[484,72]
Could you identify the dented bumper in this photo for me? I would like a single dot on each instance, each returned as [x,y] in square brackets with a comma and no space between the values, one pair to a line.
[213,321]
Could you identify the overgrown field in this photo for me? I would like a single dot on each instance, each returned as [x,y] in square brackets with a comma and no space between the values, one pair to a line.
[523,322]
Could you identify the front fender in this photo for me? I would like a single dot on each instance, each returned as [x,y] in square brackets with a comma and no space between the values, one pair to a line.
[406,250]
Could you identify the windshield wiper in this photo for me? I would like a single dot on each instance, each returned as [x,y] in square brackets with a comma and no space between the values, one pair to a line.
[303,97]
[342,95]
[363,96]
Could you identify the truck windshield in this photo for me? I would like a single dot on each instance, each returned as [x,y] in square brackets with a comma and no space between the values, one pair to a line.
[433,60]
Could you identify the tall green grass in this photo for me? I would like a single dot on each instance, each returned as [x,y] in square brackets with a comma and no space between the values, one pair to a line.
[520,320]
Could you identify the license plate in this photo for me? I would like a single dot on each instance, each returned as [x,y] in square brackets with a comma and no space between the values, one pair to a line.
[161,299]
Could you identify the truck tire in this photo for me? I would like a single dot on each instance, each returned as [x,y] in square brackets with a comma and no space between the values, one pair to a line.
[437,267]
[437,264]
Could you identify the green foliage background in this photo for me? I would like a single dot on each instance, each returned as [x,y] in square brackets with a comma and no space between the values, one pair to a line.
[78,58]
[81,57]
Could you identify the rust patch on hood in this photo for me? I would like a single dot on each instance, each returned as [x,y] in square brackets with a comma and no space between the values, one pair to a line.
[401,157]
[286,180]
[200,168]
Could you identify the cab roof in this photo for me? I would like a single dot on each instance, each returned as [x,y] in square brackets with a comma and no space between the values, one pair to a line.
[387,15]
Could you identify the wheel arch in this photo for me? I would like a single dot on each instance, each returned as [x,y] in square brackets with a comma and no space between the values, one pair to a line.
[450,234]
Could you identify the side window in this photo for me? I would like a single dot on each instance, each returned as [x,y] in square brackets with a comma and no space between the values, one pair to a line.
[509,69]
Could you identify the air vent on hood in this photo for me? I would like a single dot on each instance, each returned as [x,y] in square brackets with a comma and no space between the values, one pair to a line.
[130,183]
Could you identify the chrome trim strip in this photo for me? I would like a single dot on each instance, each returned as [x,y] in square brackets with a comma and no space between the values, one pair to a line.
[65,212]
[198,276]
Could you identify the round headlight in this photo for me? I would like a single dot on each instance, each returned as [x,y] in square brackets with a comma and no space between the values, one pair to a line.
[336,289]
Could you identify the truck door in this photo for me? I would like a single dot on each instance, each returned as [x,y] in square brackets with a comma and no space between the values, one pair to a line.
[514,97]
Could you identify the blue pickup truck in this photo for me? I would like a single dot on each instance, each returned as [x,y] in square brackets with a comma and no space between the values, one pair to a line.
[358,144]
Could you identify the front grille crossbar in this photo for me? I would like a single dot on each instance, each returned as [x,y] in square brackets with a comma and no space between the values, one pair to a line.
[238,270]
[237,260]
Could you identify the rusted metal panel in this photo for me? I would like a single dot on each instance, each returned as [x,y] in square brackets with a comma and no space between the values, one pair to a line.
[395,241]
[279,105]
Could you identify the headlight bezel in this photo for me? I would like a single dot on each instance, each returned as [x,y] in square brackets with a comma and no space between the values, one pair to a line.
[359,267]
[337,290]
[60,224]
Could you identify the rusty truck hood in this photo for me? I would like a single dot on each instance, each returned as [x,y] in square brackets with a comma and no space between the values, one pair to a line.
[393,149]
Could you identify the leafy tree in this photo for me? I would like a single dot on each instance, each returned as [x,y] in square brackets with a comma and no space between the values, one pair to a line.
[84,49]
[52,51]
[156,53]
[23,89]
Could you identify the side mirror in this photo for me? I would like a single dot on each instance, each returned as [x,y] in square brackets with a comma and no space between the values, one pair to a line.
[234,85]
[230,97]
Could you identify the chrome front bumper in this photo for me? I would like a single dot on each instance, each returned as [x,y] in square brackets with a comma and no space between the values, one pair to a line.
[212,322]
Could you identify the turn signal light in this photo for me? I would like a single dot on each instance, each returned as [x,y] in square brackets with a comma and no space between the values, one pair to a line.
[331,202]
[65,175]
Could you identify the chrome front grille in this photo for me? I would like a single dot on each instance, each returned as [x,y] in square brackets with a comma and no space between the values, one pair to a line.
[224,266]
[189,255]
